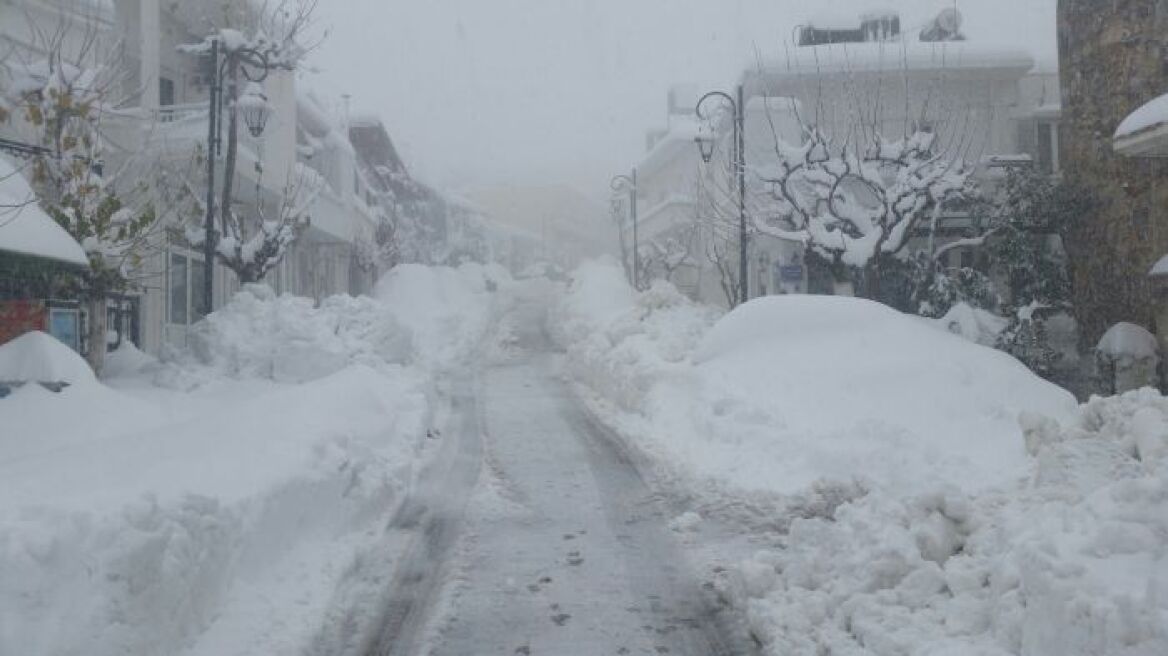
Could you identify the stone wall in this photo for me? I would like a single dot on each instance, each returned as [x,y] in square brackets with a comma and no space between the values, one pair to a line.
[1112,60]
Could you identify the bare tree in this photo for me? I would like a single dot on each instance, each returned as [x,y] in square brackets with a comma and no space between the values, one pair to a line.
[59,94]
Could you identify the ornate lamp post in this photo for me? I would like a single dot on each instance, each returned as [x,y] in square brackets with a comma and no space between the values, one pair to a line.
[705,141]
[629,183]
[256,111]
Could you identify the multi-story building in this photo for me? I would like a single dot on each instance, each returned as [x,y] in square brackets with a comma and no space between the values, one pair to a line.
[159,123]
[990,105]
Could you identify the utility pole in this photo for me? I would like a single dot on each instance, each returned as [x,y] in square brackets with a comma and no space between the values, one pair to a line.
[212,145]
[743,237]
[629,183]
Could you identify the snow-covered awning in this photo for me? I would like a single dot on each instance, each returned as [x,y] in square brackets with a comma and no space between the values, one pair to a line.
[25,229]
[1144,133]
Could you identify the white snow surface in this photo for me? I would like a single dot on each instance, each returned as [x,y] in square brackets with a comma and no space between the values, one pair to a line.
[1148,116]
[950,501]
[24,226]
[40,358]
[790,390]
[974,324]
[214,503]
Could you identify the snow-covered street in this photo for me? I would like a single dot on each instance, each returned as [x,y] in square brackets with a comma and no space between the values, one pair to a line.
[564,550]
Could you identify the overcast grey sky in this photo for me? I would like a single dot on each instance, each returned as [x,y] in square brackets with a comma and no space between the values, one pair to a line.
[480,92]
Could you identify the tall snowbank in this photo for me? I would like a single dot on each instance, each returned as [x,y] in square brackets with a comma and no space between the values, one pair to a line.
[430,316]
[1072,561]
[842,388]
[930,496]
[145,520]
[620,343]
[129,541]
[788,390]
[447,309]
[288,339]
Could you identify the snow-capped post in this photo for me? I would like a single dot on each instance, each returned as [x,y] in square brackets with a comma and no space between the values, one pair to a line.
[250,248]
[1126,359]
[628,184]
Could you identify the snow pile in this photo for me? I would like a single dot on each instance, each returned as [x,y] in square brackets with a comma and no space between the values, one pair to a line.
[448,309]
[285,338]
[787,391]
[41,358]
[927,495]
[141,520]
[974,324]
[621,343]
[800,388]
[1071,561]
[124,530]
[126,361]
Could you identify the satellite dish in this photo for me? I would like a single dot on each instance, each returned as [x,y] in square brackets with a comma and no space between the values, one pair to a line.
[949,21]
[945,27]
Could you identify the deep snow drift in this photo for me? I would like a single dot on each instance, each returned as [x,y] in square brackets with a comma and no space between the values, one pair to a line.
[935,497]
[216,500]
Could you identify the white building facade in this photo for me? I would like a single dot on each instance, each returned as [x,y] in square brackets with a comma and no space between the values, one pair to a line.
[157,129]
[989,106]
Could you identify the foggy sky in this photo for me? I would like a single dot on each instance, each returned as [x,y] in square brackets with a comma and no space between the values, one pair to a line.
[481,92]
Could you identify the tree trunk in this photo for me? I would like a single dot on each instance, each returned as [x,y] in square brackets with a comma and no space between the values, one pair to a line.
[98,327]
[872,280]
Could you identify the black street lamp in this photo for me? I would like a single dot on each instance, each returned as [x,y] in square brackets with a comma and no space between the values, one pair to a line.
[629,183]
[254,107]
[705,141]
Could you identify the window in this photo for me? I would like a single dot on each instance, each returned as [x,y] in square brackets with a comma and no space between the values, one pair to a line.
[1046,156]
[179,289]
[165,92]
[966,258]
[187,301]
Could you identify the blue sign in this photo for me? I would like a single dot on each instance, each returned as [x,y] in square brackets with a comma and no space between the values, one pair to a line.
[65,325]
[793,273]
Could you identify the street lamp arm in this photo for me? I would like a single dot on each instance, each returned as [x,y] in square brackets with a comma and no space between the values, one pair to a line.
[622,182]
[715,94]
[255,64]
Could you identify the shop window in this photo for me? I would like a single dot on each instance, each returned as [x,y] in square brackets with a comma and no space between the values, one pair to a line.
[165,92]
[187,301]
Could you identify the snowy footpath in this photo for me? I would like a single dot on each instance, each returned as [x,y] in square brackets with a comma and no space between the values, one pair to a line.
[905,491]
[221,501]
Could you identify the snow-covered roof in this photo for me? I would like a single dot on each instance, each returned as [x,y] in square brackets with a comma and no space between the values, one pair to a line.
[897,57]
[1148,116]
[24,226]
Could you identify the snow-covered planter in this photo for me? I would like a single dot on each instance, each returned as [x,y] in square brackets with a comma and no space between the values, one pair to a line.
[1126,359]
